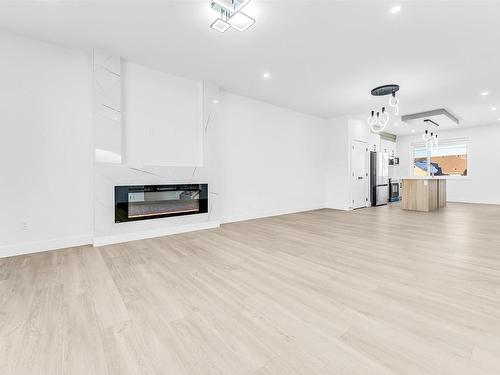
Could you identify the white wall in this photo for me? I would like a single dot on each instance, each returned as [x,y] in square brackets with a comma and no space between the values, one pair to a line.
[45,146]
[269,160]
[162,118]
[481,184]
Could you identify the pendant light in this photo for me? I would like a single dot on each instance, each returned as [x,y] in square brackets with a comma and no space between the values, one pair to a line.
[394,102]
[426,136]
[428,144]
[431,141]
[435,144]
[379,122]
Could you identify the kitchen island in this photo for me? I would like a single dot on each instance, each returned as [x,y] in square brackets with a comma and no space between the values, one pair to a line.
[423,193]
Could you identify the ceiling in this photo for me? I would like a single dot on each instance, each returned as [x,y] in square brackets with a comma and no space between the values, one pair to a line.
[324,56]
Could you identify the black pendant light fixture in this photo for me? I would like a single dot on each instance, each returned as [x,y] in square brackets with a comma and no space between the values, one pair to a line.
[379,122]
[385,90]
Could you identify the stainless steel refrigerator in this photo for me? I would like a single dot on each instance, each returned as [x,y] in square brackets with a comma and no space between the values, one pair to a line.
[379,178]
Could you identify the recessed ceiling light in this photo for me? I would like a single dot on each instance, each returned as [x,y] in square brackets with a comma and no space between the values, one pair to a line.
[266,75]
[395,9]
[240,21]
[215,101]
[485,93]
[413,130]
[493,108]
[220,25]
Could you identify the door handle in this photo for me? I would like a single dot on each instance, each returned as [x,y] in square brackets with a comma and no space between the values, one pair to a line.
[360,177]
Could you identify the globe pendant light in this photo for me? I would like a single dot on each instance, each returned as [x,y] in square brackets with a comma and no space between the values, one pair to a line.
[426,136]
[428,144]
[435,144]
[379,122]
[394,102]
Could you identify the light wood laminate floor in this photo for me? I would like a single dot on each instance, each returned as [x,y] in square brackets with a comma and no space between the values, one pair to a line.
[373,291]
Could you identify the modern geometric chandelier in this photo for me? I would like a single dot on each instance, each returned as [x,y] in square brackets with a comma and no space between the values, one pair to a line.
[231,15]
[379,121]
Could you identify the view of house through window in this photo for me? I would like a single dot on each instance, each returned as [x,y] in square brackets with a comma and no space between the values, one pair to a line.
[448,160]
[420,161]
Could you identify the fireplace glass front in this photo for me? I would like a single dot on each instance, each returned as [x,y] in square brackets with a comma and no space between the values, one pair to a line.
[141,202]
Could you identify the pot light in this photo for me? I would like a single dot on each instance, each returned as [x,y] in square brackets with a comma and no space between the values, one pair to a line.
[220,25]
[240,21]
[485,93]
[413,130]
[215,101]
[493,108]
[266,75]
[395,9]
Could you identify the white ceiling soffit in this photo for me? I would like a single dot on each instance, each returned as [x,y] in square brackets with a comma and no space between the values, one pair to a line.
[323,57]
[437,120]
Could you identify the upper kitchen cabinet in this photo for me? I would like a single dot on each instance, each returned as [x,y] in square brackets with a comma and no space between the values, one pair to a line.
[389,147]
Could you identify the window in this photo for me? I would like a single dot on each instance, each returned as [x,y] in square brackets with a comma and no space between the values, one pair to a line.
[420,161]
[450,159]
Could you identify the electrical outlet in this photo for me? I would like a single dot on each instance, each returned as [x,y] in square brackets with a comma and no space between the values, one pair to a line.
[23,225]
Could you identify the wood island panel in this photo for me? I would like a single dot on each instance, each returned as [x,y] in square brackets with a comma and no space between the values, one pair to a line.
[424,194]
[442,193]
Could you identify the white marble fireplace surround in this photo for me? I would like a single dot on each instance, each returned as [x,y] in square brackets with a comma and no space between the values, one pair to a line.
[153,134]
[157,128]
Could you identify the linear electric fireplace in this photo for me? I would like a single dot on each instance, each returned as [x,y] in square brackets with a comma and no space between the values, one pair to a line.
[142,202]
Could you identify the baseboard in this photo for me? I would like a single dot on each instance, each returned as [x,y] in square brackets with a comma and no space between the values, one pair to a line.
[339,208]
[40,246]
[260,215]
[473,202]
[134,236]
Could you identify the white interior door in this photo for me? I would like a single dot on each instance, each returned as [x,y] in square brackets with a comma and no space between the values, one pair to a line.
[359,174]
